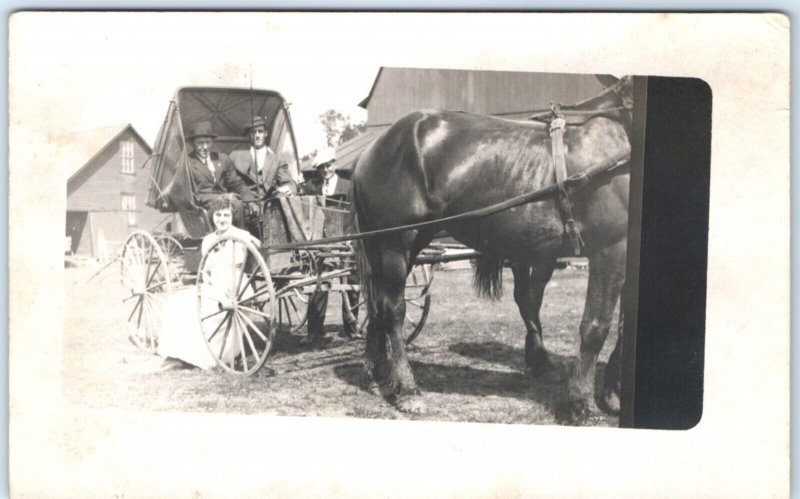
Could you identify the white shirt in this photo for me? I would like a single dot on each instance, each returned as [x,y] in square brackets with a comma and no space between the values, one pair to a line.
[259,156]
[329,188]
[210,166]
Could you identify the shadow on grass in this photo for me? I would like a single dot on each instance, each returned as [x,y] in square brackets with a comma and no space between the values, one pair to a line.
[549,391]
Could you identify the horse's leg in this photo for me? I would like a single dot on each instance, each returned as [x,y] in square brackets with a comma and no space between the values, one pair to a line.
[529,284]
[611,385]
[393,372]
[606,277]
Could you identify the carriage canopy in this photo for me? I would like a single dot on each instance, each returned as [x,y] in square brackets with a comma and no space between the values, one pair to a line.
[228,110]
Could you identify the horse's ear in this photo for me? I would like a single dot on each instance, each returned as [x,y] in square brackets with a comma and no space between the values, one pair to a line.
[607,80]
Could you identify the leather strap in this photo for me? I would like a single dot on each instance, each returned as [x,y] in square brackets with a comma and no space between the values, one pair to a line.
[560,167]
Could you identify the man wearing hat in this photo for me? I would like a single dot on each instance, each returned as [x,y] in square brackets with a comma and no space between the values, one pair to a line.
[323,179]
[262,172]
[212,172]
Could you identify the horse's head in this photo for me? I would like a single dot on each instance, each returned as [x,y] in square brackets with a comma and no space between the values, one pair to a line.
[615,102]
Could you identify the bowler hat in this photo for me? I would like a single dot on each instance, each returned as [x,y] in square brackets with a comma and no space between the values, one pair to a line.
[200,129]
[254,122]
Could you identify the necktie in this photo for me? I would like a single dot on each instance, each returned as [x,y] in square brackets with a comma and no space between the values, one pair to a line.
[325,187]
[210,167]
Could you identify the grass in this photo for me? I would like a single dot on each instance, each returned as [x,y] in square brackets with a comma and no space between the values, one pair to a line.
[468,361]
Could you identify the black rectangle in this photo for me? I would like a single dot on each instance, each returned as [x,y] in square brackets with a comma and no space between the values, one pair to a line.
[673,256]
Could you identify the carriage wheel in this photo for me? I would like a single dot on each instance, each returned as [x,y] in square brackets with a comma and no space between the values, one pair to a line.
[236,305]
[145,274]
[173,250]
[293,302]
[418,303]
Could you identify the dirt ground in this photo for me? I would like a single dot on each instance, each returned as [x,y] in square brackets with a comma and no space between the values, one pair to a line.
[468,361]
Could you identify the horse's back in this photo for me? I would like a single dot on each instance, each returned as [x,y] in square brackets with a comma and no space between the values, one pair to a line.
[433,163]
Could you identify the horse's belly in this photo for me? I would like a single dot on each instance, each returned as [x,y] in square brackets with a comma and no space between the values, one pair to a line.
[521,233]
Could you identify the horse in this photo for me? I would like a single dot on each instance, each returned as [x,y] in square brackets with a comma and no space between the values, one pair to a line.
[433,164]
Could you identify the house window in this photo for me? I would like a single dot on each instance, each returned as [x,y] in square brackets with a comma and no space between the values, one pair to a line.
[129,207]
[127,157]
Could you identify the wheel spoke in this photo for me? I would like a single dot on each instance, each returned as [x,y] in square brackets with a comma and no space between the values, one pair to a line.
[147,274]
[250,340]
[139,317]
[228,320]
[133,295]
[154,286]
[242,353]
[264,290]
[249,281]
[216,330]
[238,289]
[138,304]
[290,300]
[152,276]
[151,326]
[415,303]
[212,314]
[299,295]
[284,304]
[255,328]
[257,312]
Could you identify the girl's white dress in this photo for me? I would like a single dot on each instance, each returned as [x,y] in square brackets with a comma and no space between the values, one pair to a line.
[181,336]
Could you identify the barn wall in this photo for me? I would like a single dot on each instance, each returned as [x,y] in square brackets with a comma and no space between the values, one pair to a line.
[399,91]
[99,187]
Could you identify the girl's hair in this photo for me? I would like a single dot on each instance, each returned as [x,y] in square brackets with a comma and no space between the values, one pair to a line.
[220,203]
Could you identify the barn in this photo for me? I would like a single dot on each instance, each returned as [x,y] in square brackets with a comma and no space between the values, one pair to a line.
[397,91]
[106,189]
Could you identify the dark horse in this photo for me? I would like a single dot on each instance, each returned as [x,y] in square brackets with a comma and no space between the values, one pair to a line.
[434,164]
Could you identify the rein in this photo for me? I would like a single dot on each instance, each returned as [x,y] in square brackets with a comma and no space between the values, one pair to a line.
[574,182]
[576,112]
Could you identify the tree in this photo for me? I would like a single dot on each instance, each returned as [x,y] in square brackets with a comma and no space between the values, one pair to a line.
[340,128]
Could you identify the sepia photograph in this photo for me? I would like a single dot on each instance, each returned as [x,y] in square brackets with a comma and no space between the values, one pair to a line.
[304,235]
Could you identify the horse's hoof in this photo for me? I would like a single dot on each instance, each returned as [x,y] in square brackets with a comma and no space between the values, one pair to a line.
[411,405]
[546,374]
[573,411]
[610,402]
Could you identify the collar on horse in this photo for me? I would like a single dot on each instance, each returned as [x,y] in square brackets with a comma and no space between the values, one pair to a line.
[557,125]
[558,120]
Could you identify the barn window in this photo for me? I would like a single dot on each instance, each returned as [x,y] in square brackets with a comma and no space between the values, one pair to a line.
[129,206]
[127,157]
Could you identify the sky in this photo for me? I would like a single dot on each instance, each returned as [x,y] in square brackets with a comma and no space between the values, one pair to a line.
[93,70]
[76,71]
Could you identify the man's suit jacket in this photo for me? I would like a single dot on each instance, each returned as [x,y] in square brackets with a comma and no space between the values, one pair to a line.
[208,186]
[274,173]
[314,186]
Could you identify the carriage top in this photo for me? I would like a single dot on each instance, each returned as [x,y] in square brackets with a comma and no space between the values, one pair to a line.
[228,110]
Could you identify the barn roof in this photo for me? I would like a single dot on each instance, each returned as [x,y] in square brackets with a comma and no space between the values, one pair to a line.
[78,149]
[365,102]
[347,153]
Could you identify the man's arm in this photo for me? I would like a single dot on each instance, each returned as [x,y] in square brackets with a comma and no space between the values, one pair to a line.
[283,179]
[231,179]
[234,183]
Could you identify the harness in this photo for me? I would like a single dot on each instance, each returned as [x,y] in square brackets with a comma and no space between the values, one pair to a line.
[558,119]
[557,126]
[576,181]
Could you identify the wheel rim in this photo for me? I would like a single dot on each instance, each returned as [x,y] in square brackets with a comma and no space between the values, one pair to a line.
[146,277]
[173,250]
[418,303]
[237,309]
[293,302]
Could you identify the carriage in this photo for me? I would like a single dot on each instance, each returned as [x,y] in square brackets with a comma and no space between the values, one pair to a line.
[270,285]
[569,193]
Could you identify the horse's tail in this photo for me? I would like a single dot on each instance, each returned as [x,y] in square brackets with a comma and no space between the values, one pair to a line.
[488,277]
[360,247]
